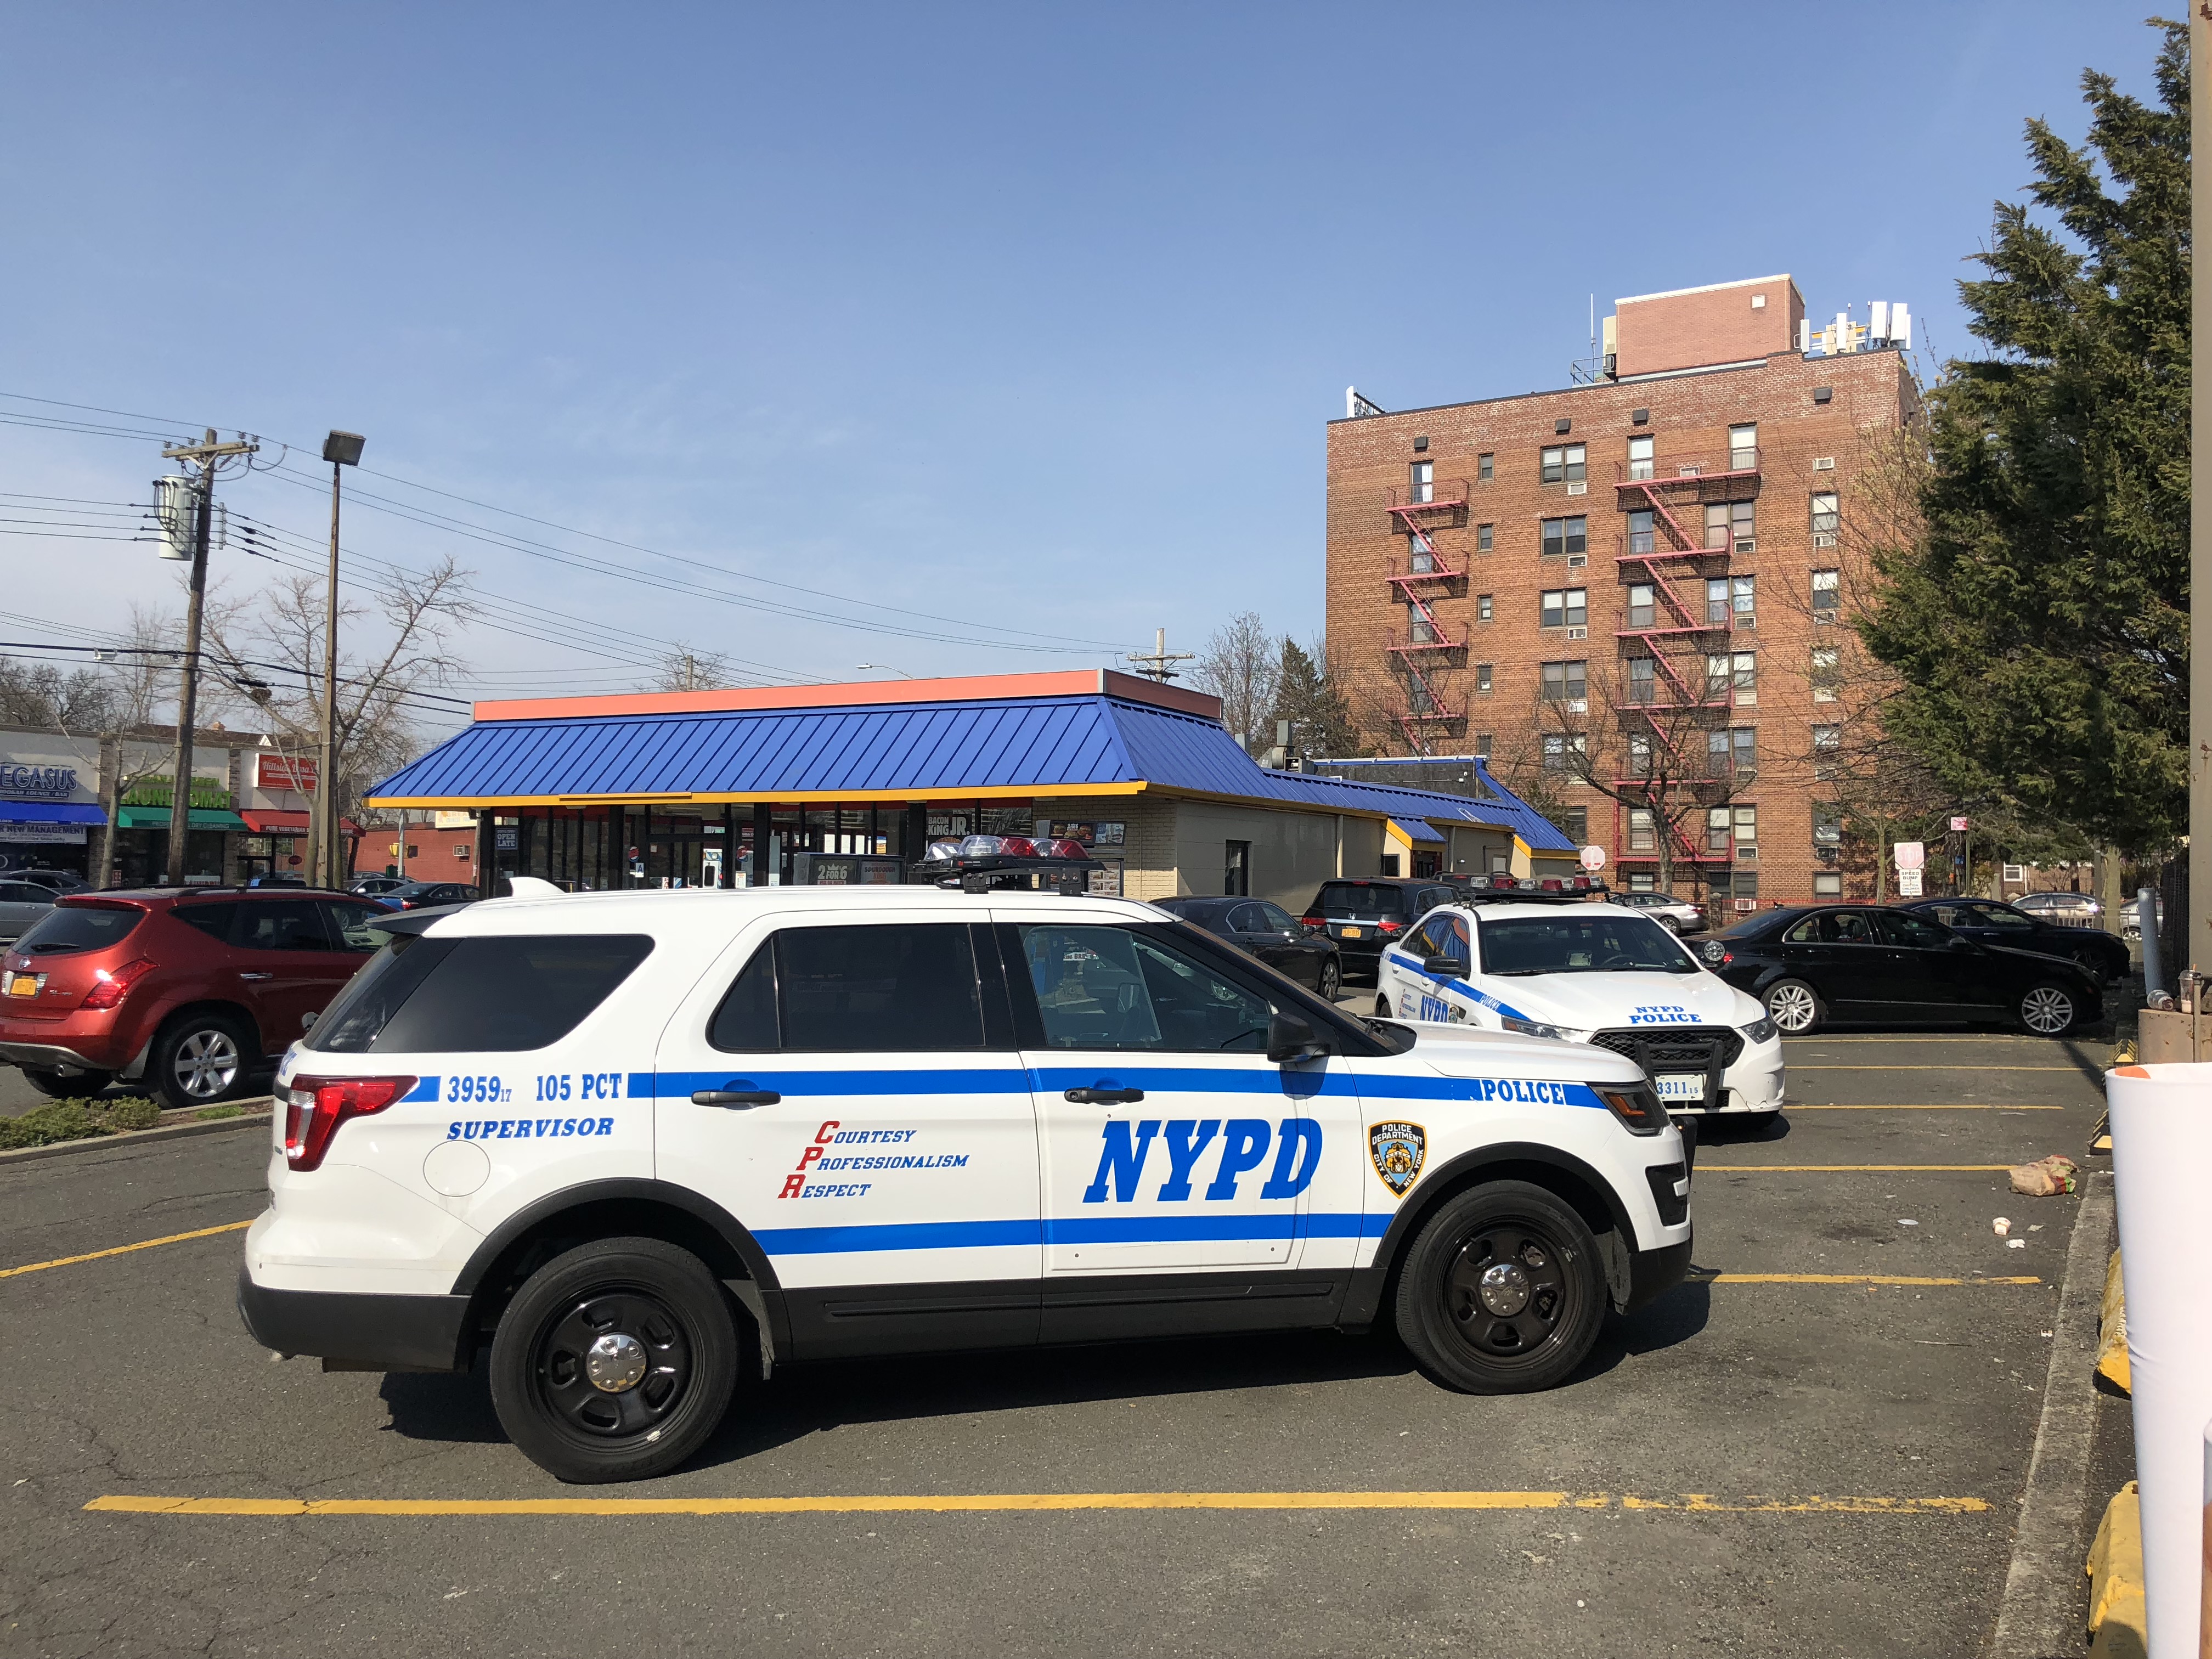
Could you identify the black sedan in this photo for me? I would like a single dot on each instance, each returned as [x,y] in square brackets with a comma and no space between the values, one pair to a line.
[1987,922]
[1265,931]
[423,895]
[1879,965]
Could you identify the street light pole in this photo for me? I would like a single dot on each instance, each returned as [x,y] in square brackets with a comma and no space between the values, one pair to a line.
[2194,931]
[341,450]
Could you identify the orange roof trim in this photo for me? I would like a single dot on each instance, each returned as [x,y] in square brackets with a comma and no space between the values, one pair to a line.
[976,687]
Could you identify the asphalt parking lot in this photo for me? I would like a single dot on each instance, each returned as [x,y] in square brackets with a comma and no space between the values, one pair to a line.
[1819,1447]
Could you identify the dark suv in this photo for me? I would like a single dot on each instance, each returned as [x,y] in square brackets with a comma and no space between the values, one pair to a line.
[191,988]
[1361,915]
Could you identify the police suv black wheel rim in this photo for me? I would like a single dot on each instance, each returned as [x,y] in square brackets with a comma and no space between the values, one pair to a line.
[1506,1291]
[610,1406]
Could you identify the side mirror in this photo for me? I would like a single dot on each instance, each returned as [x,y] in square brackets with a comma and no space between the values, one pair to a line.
[1289,1039]
[1446,967]
[1960,943]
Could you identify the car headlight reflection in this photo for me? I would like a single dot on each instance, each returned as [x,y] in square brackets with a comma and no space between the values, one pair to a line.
[1759,1031]
[1531,1027]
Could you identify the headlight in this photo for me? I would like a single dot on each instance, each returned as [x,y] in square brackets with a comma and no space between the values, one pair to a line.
[1530,1028]
[1639,1109]
[1759,1031]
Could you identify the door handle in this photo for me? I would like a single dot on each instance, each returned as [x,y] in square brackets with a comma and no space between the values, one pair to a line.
[255,976]
[740,1098]
[1105,1096]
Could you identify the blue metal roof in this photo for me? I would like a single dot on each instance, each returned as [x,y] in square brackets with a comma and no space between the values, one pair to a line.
[1415,830]
[1030,744]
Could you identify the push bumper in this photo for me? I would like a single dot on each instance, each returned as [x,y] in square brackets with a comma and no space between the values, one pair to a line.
[356,1332]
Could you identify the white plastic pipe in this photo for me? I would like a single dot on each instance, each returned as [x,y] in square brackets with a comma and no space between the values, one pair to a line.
[2161,1152]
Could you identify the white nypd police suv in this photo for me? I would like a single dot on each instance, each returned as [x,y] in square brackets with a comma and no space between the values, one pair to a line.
[617,1148]
[1552,964]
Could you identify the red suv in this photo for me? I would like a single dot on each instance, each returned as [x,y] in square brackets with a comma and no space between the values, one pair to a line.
[190,988]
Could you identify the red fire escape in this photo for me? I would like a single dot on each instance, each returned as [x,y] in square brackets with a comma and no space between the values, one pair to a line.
[1677,632]
[1426,656]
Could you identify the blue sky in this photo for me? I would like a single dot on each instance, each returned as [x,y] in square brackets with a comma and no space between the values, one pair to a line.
[1025,318]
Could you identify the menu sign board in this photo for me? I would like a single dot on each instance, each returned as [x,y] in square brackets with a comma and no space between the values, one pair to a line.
[1089,832]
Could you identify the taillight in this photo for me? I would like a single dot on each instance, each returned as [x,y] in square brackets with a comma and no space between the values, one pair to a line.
[1390,927]
[110,986]
[314,1107]
[1312,921]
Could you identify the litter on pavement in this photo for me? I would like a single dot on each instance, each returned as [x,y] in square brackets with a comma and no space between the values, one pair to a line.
[2046,1175]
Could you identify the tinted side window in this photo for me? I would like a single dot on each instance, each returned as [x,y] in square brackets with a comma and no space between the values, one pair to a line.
[1996,915]
[1917,933]
[1247,919]
[213,919]
[745,1023]
[895,989]
[1278,921]
[280,925]
[372,996]
[1807,932]
[350,924]
[1429,938]
[499,995]
[1107,987]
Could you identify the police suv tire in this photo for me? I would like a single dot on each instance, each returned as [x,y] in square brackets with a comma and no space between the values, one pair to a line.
[200,1059]
[1792,1000]
[1501,1291]
[670,1353]
[75,1085]
[1383,1009]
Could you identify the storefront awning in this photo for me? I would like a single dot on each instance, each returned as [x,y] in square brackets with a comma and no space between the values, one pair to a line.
[287,823]
[157,817]
[49,811]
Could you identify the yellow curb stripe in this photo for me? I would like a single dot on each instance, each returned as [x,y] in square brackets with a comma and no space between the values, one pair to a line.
[123,1249]
[1843,1169]
[1846,1279]
[1027,1501]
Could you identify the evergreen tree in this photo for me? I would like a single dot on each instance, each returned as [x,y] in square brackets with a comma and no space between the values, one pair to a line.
[2040,622]
[1307,694]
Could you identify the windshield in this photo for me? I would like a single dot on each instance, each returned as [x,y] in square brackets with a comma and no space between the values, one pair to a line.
[80,928]
[1589,939]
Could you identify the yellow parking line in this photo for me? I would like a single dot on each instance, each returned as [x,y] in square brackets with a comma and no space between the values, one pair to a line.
[1963,1065]
[1921,1106]
[123,1249]
[1845,1169]
[1845,1278]
[1694,1503]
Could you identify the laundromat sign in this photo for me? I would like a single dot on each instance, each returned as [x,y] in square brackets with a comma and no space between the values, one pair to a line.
[24,782]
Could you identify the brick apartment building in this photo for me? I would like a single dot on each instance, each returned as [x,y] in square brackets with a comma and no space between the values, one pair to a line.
[1644,581]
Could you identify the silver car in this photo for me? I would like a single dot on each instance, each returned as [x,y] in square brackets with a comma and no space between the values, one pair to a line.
[1675,915]
[22,903]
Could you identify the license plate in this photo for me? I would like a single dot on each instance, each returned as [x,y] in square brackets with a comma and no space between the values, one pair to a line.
[1683,1085]
[1347,932]
[22,984]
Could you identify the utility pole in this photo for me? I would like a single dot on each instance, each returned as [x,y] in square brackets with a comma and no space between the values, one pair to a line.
[342,450]
[209,456]
[1154,666]
[2194,934]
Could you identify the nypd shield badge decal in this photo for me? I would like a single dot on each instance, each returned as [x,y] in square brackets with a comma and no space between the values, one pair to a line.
[1398,1149]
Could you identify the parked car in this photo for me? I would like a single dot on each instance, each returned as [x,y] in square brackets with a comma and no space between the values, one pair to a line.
[2061,904]
[370,886]
[423,895]
[192,988]
[2090,948]
[1880,965]
[21,904]
[1361,915]
[59,881]
[1676,915]
[1265,931]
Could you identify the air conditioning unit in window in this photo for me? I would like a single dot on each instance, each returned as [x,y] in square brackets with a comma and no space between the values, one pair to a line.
[1577,561]
[1747,544]
[1578,633]
[1579,488]
[1746,904]
[1824,539]
[1744,854]
[1578,705]
[1824,464]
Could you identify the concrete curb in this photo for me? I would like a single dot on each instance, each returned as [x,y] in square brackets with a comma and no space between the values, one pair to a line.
[256,1116]
[2035,1619]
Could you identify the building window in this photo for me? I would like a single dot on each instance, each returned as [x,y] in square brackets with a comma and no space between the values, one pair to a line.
[1734,677]
[1827,748]
[1482,607]
[1642,835]
[1827,884]
[1563,464]
[1484,467]
[1639,457]
[1578,825]
[1732,753]
[1717,830]
[1741,602]
[1484,743]
[1743,448]
[1827,673]
[1639,754]
[1825,519]
[1643,604]
[1567,607]
[1717,601]
[1563,751]
[1567,683]
[1828,595]
[1746,887]
[1643,682]
[1566,535]
[1827,826]
[1418,629]
[1730,525]
[1639,532]
[1746,832]
[1420,553]
[1643,881]
[1482,678]
[1424,482]
[1482,537]
[1237,869]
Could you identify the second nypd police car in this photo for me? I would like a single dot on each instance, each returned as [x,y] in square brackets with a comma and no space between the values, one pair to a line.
[1558,966]
[617,1148]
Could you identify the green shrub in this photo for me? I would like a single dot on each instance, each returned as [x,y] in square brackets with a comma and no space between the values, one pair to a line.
[211,1113]
[78,1120]
[136,1113]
